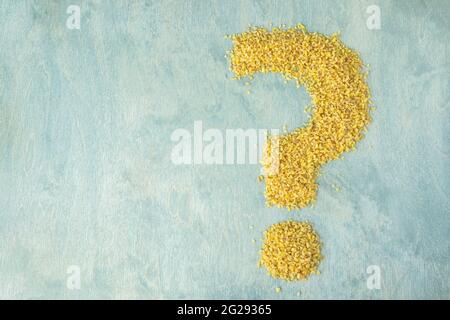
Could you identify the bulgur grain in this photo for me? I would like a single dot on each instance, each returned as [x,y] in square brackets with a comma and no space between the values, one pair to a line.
[332,74]
[291,250]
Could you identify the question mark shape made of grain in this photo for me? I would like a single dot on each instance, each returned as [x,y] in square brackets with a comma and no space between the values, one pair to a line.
[333,76]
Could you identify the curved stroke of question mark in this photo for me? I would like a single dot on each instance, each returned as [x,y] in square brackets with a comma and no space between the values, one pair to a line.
[332,74]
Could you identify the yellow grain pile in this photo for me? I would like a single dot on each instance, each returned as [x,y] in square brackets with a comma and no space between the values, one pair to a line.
[291,250]
[333,76]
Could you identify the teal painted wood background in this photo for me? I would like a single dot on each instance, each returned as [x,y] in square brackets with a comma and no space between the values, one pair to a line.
[86,178]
